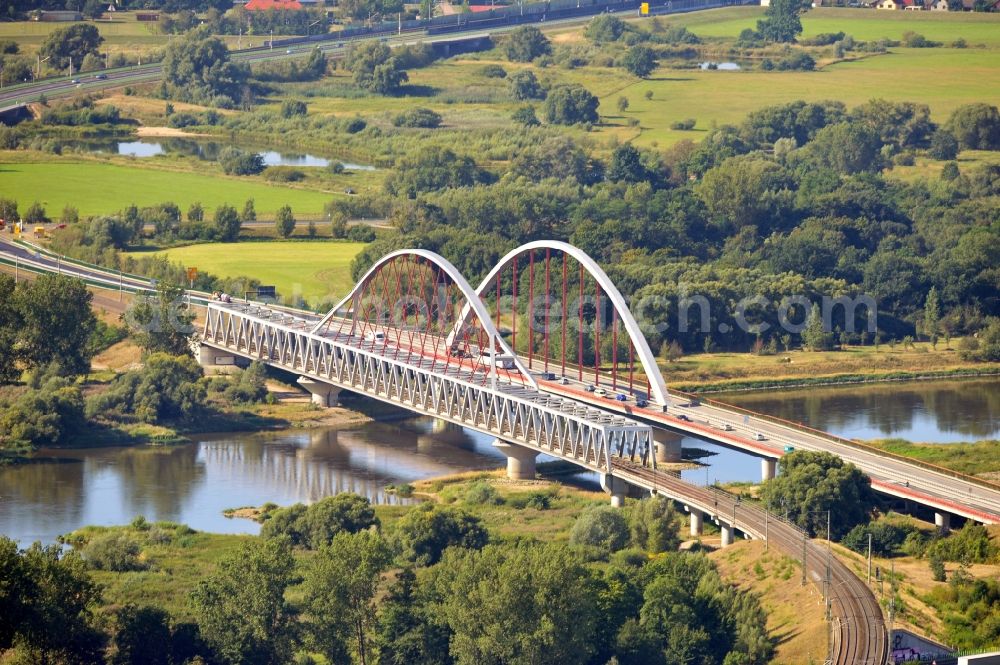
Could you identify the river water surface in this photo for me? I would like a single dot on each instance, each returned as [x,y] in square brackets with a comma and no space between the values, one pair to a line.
[65,489]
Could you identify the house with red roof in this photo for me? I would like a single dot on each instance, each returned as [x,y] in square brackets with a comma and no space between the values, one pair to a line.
[262,5]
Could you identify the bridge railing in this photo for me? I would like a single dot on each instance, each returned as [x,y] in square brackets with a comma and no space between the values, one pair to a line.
[801,427]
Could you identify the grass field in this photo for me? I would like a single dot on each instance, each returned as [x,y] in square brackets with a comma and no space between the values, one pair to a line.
[95,188]
[944,79]
[862,24]
[317,270]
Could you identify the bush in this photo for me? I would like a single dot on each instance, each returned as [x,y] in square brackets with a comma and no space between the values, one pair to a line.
[796,61]
[293,108]
[887,539]
[481,493]
[602,527]
[418,117]
[823,39]
[525,44]
[115,552]
[525,115]
[937,570]
[180,120]
[493,71]
[944,145]
[970,544]
[361,233]
[684,125]
[283,174]
[237,162]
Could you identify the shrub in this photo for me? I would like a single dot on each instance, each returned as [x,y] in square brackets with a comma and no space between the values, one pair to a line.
[292,108]
[602,527]
[237,162]
[180,120]
[418,117]
[493,71]
[571,104]
[886,538]
[971,544]
[115,552]
[283,174]
[481,493]
[525,115]
[684,125]
[361,233]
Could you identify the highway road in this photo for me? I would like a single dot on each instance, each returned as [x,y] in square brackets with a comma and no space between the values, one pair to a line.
[63,86]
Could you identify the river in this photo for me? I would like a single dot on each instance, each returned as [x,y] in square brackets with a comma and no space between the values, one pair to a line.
[62,490]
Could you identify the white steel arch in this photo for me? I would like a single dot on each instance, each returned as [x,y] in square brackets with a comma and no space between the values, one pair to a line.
[472,300]
[658,388]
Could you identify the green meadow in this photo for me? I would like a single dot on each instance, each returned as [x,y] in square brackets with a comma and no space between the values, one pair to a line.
[96,188]
[317,270]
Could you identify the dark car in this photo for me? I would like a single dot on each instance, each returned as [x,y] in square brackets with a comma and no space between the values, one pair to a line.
[684,418]
[101,77]
[75,81]
[548,376]
[641,403]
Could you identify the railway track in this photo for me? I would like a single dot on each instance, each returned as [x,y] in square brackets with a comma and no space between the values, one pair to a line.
[859,634]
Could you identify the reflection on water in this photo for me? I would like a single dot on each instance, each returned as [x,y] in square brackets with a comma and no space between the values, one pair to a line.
[193,483]
[205,150]
[933,412]
[66,489]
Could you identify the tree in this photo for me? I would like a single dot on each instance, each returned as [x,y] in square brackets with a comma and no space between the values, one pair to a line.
[745,191]
[944,145]
[70,44]
[813,485]
[976,126]
[48,599]
[639,61]
[375,68]
[35,214]
[317,525]
[430,169]
[406,632]
[10,324]
[424,533]
[524,86]
[570,104]
[161,323]
[56,323]
[49,413]
[781,21]
[653,525]
[525,44]
[284,222]
[846,147]
[340,588]
[236,162]
[249,213]
[166,388]
[196,213]
[370,9]
[603,527]
[525,115]
[241,607]
[8,210]
[227,223]
[196,68]
[605,28]
[815,336]
[932,316]
[141,635]
[519,604]
[622,104]
[626,165]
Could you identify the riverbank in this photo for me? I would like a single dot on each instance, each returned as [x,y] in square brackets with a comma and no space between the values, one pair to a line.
[730,372]
[978,458]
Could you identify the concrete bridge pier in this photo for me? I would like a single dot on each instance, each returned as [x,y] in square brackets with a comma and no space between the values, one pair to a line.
[942,521]
[728,532]
[768,468]
[212,357]
[697,521]
[666,446]
[616,487]
[323,394]
[520,460]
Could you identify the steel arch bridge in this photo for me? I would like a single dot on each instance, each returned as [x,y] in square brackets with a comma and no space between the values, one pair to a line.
[413,332]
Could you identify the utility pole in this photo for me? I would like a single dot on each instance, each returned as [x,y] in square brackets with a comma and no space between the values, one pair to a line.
[829,555]
[765,529]
[804,553]
[869,559]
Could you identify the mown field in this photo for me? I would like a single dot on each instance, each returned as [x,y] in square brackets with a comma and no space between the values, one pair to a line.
[317,270]
[96,188]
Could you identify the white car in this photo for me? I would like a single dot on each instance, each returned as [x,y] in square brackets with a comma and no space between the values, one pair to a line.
[757,436]
[376,337]
[601,392]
